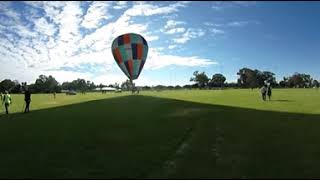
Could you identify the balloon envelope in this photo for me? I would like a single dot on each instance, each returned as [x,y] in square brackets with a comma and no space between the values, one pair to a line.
[130,52]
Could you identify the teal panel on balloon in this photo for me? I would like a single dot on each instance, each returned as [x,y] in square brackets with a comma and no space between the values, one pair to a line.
[123,53]
[135,39]
[136,67]
[145,52]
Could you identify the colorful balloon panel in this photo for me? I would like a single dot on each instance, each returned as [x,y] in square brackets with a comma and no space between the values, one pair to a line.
[130,53]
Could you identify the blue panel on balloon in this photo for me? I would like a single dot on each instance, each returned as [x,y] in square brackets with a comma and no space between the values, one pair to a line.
[120,41]
[134,51]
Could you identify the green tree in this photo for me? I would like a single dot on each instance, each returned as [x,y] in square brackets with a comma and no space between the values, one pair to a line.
[201,79]
[217,80]
[46,84]
[299,80]
[7,85]
[315,83]
[248,78]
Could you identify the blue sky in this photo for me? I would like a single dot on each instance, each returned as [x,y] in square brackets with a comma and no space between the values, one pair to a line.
[72,40]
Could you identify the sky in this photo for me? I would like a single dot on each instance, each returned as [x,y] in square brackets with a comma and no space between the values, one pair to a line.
[71,40]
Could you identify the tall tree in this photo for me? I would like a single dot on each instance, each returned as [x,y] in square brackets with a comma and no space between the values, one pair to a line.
[248,78]
[217,80]
[7,85]
[299,80]
[201,79]
[315,83]
[46,84]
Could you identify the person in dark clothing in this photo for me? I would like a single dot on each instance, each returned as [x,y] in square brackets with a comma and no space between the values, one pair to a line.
[27,99]
[269,92]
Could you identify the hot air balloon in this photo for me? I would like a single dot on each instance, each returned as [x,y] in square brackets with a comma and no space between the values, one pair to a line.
[130,52]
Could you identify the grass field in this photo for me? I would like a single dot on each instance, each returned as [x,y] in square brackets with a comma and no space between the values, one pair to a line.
[167,134]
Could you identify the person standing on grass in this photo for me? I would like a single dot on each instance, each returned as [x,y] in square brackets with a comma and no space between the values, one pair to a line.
[54,95]
[269,92]
[264,92]
[27,99]
[7,101]
[1,96]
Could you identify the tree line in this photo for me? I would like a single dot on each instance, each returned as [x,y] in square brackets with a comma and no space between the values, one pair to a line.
[254,78]
[248,78]
[47,84]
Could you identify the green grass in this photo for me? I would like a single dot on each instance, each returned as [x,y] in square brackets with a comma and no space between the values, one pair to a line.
[168,134]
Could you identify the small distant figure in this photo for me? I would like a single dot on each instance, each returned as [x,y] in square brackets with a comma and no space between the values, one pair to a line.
[54,95]
[269,92]
[1,96]
[6,100]
[27,99]
[264,92]
[135,90]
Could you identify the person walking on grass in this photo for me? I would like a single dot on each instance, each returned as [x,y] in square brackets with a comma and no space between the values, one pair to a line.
[264,92]
[27,99]
[269,92]
[6,100]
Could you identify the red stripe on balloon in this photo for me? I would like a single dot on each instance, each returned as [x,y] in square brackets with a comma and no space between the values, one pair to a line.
[130,68]
[139,51]
[126,39]
[118,55]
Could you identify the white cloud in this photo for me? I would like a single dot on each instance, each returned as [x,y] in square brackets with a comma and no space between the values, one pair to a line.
[172,24]
[149,10]
[109,78]
[210,24]
[159,48]
[237,23]
[97,11]
[172,46]
[157,60]
[171,27]
[190,34]
[69,20]
[220,5]
[120,5]
[55,42]
[244,3]
[175,30]
[43,27]
[217,31]
[67,76]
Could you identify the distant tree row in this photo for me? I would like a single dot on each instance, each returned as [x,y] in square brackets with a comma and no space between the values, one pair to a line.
[249,78]
[298,80]
[12,86]
[203,81]
[47,84]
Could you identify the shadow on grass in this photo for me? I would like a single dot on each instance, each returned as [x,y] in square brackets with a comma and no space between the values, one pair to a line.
[282,100]
[138,136]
